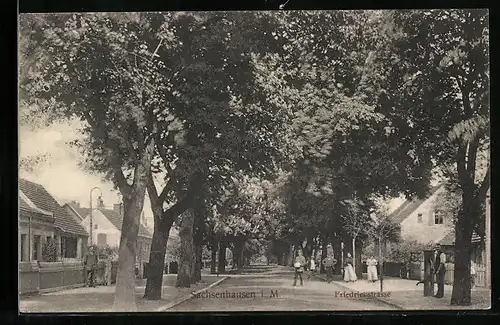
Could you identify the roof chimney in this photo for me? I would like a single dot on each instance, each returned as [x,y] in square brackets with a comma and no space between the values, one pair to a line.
[118,208]
[100,203]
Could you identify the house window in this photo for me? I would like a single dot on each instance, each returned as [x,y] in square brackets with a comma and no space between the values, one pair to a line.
[36,247]
[23,247]
[438,218]
[419,216]
[101,239]
[68,247]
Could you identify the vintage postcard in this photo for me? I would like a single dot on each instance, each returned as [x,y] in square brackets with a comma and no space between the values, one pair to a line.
[254,161]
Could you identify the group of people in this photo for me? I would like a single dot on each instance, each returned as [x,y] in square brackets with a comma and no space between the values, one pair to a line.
[349,275]
[91,264]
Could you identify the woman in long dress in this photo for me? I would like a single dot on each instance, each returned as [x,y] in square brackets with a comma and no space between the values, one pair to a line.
[107,271]
[372,269]
[349,274]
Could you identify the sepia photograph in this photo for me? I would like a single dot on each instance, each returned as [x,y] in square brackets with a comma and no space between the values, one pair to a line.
[226,161]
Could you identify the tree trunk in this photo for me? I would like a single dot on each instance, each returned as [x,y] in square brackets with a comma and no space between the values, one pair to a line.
[238,252]
[234,257]
[380,264]
[213,262]
[157,257]
[324,249]
[309,247]
[268,252]
[186,251]
[461,294]
[198,245]
[359,265]
[222,257]
[337,249]
[198,263]
[133,203]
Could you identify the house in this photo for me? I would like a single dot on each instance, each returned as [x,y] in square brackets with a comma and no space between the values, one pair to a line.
[421,218]
[107,225]
[424,221]
[43,219]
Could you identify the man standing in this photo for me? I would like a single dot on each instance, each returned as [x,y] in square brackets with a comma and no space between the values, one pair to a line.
[329,263]
[90,263]
[299,264]
[440,271]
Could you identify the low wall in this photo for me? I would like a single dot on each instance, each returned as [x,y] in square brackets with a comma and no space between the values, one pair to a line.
[39,277]
[416,272]
[29,278]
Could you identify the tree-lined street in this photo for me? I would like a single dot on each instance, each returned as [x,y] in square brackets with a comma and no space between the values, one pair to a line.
[267,135]
[271,286]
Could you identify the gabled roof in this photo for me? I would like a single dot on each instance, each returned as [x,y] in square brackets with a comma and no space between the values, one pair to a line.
[26,204]
[42,200]
[114,217]
[409,206]
[73,208]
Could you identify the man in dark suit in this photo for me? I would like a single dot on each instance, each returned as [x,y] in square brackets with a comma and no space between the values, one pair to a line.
[439,271]
[90,263]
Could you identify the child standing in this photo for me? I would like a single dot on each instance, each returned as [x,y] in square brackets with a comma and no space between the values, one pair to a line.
[312,268]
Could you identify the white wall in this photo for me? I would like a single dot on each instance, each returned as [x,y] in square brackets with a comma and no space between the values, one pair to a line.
[104,226]
[425,231]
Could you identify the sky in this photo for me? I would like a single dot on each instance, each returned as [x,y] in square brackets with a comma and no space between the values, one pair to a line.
[61,175]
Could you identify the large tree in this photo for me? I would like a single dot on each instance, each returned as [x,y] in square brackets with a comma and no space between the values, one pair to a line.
[440,88]
[329,80]
[222,123]
[101,69]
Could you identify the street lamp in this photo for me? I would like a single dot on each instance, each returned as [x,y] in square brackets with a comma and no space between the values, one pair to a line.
[91,226]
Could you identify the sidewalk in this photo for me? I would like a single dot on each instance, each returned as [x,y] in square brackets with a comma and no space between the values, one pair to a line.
[100,299]
[405,294]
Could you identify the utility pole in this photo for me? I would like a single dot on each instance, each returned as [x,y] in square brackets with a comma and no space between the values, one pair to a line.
[342,258]
[380,263]
[91,221]
[488,241]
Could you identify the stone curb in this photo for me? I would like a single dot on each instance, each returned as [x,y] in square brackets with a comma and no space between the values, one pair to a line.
[190,296]
[393,305]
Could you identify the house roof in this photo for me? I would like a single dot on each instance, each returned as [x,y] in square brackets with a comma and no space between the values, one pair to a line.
[26,204]
[449,239]
[42,200]
[114,217]
[409,206]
